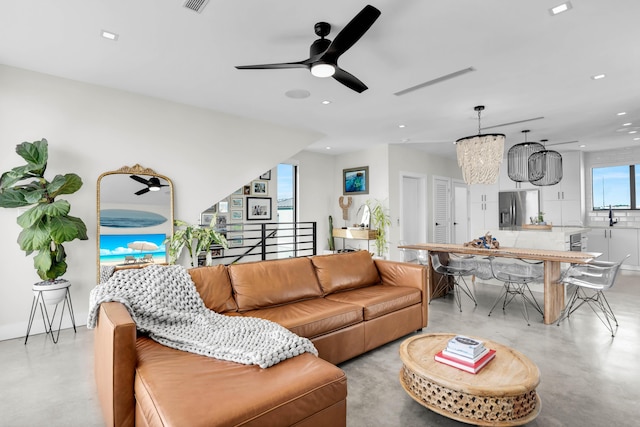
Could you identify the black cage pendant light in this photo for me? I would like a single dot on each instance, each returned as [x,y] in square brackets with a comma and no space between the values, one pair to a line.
[545,167]
[518,159]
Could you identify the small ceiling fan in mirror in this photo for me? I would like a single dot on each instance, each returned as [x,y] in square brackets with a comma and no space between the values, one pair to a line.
[153,184]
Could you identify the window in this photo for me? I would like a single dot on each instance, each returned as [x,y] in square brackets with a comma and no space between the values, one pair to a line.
[615,187]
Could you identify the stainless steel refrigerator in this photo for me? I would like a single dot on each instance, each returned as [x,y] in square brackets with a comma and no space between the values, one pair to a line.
[516,207]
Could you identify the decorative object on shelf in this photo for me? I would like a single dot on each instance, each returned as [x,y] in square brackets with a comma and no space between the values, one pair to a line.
[380,221]
[518,159]
[479,156]
[345,207]
[259,208]
[486,242]
[332,244]
[195,238]
[545,167]
[355,180]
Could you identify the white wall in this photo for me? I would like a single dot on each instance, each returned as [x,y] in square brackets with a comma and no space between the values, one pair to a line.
[404,158]
[93,129]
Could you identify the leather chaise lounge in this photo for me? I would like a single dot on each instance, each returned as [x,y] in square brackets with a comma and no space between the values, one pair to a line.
[346,304]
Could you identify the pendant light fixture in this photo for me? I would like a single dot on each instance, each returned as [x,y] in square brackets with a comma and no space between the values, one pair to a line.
[518,159]
[479,156]
[545,167]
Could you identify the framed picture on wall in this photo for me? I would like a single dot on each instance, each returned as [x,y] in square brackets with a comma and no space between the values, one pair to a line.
[221,223]
[237,202]
[259,208]
[238,191]
[355,180]
[259,188]
[205,218]
[246,190]
[223,206]
[235,239]
[236,215]
[266,175]
[234,227]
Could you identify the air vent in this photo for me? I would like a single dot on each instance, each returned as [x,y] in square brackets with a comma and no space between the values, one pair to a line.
[195,5]
[436,81]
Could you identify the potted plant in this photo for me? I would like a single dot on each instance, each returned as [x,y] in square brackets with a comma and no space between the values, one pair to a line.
[196,239]
[46,225]
[380,220]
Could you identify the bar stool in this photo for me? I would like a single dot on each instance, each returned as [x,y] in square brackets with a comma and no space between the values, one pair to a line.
[516,277]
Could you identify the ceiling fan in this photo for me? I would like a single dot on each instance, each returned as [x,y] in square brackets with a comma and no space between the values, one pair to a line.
[153,184]
[324,54]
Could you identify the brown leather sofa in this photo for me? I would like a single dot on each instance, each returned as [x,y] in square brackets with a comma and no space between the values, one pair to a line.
[346,304]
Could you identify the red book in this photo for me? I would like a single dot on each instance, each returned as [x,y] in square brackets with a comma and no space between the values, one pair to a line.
[471,367]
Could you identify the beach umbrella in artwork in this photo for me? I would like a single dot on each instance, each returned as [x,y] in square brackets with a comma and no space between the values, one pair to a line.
[142,246]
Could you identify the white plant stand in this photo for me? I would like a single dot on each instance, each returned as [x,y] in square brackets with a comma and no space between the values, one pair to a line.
[40,300]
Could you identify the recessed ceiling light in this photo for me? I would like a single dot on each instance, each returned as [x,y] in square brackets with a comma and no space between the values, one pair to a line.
[636,139]
[582,145]
[627,124]
[622,113]
[599,76]
[633,131]
[327,148]
[405,140]
[109,35]
[560,8]
[326,102]
[401,126]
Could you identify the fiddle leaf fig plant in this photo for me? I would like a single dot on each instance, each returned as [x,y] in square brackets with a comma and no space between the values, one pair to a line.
[195,238]
[46,225]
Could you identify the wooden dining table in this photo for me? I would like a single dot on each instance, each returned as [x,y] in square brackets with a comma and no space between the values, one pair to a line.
[552,260]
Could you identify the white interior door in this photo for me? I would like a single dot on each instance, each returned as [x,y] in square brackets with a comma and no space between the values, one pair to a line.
[442,210]
[460,212]
[413,215]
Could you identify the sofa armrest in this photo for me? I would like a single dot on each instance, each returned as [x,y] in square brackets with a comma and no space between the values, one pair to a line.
[114,363]
[404,274]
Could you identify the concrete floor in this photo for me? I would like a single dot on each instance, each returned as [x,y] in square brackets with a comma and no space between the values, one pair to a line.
[587,378]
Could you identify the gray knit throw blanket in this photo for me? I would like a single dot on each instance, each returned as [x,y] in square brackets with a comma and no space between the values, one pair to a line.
[164,303]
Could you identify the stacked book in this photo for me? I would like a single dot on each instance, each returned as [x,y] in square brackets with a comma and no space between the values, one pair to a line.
[465,353]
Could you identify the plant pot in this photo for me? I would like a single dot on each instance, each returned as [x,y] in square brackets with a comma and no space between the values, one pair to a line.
[53,292]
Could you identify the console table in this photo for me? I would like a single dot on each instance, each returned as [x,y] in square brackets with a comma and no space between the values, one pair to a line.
[553,289]
[355,234]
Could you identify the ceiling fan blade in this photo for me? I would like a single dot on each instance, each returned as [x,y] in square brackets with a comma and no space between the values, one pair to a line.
[141,192]
[282,65]
[351,33]
[349,80]
[140,180]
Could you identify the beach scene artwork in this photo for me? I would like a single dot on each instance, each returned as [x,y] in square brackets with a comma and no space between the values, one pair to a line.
[129,218]
[123,249]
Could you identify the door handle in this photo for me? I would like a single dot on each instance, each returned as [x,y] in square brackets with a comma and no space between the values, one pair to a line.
[437,224]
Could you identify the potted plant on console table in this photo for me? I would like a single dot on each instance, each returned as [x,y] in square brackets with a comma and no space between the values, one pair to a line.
[46,225]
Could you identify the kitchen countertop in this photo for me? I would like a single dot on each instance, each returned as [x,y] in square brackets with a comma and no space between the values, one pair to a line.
[557,238]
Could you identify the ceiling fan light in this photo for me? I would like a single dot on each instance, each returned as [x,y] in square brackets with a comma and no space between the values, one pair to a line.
[323,70]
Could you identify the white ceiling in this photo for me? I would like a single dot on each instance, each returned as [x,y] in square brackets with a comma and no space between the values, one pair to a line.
[528,64]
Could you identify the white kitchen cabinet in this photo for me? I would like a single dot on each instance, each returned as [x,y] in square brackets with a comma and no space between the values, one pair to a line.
[615,244]
[483,209]
[563,203]
[507,184]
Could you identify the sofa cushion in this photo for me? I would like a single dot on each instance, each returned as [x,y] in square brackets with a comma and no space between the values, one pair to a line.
[214,287]
[176,388]
[350,270]
[270,283]
[312,318]
[379,300]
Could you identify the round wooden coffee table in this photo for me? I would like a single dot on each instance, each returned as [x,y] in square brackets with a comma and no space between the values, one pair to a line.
[503,393]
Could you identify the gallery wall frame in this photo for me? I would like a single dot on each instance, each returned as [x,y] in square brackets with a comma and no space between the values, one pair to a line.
[266,175]
[355,180]
[258,208]
[236,215]
[259,188]
[205,218]
[235,239]
[237,202]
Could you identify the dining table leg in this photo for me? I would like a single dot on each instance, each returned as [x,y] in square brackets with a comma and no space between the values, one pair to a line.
[553,292]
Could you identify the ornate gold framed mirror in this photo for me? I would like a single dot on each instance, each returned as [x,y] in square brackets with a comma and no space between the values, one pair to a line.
[135,216]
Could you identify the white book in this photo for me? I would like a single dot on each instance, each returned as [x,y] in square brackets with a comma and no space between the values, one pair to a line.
[463,356]
[466,345]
